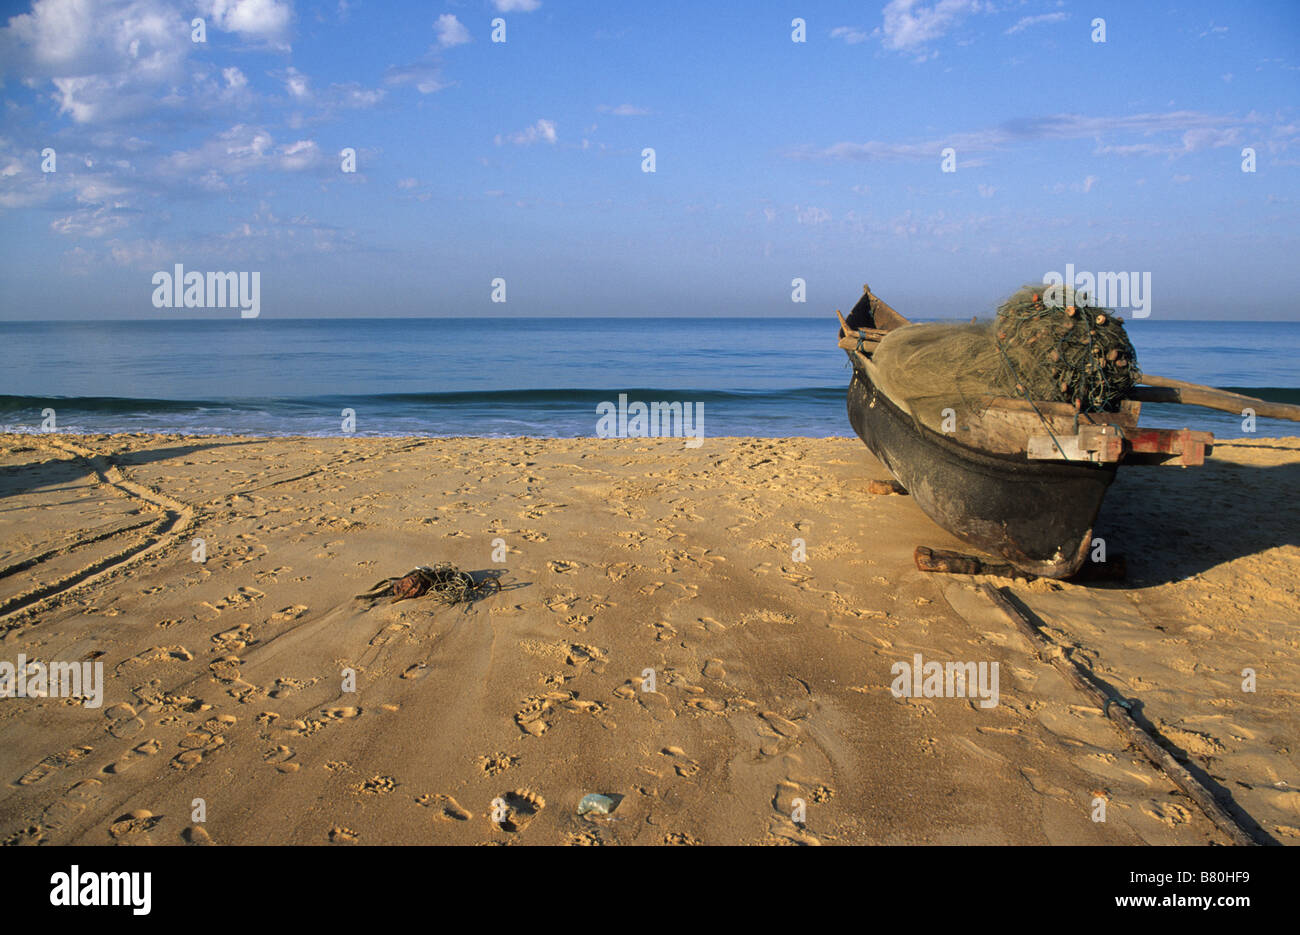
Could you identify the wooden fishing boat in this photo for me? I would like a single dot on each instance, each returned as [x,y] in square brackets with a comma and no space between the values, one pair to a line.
[1020,479]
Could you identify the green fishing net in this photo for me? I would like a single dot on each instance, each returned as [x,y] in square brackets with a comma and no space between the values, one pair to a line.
[1060,348]
[1043,346]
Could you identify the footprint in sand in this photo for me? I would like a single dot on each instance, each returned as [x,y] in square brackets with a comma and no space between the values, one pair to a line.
[656,703]
[123,722]
[292,612]
[285,687]
[197,835]
[577,622]
[681,839]
[495,763]
[516,810]
[134,827]
[340,713]
[560,603]
[1168,813]
[157,699]
[341,835]
[55,761]
[271,576]
[282,759]
[538,713]
[683,765]
[783,726]
[234,639]
[124,762]
[711,705]
[417,671]
[240,598]
[376,785]
[152,655]
[67,807]
[226,669]
[662,631]
[617,571]
[198,744]
[582,839]
[448,808]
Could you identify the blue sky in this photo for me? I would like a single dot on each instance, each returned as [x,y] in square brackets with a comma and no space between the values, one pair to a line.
[522,160]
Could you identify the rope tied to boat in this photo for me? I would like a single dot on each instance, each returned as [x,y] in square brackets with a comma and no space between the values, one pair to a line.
[1020,385]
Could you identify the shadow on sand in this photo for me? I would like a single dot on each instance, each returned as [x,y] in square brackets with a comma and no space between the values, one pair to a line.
[50,474]
[1173,523]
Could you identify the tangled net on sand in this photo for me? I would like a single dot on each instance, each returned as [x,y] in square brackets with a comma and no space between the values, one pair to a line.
[1058,348]
[444,581]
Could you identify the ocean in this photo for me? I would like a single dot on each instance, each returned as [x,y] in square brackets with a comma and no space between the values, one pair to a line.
[512,377]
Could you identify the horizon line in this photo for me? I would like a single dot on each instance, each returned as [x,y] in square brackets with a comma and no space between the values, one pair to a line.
[226,318]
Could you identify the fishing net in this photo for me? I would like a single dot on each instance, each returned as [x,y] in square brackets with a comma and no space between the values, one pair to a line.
[1042,346]
[1059,348]
[444,581]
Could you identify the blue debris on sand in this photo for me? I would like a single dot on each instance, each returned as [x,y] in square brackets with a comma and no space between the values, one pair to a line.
[597,804]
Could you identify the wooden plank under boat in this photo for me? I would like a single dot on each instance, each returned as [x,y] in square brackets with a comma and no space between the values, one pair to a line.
[1020,480]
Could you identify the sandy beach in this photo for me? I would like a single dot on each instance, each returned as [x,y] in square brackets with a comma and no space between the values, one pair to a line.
[624,561]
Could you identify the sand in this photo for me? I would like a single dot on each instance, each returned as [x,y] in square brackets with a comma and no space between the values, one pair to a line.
[629,565]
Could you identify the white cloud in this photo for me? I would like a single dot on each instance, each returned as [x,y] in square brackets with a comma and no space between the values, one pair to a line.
[1082,187]
[298,156]
[909,23]
[353,95]
[89,222]
[516,6]
[851,35]
[297,84]
[811,215]
[542,131]
[1026,21]
[234,78]
[623,110]
[263,20]
[106,61]
[237,152]
[451,31]
[425,76]
[1197,131]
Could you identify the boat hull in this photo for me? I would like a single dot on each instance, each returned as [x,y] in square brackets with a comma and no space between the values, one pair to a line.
[1038,515]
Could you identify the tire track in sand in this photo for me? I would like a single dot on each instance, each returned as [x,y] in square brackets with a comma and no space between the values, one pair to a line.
[176,521]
